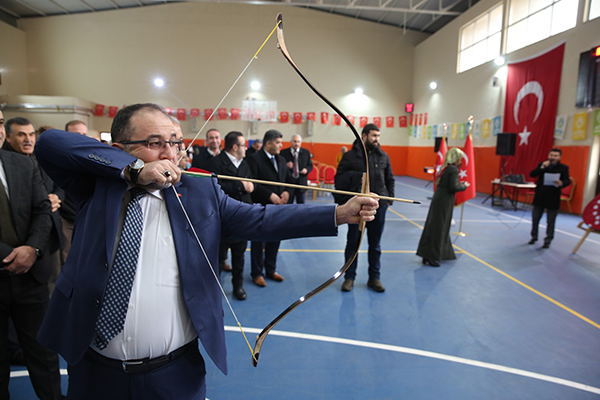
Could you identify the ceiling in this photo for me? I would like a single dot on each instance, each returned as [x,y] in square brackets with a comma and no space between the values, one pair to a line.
[421,15]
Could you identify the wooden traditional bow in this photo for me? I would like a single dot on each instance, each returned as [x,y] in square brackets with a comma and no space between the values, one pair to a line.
[365,189]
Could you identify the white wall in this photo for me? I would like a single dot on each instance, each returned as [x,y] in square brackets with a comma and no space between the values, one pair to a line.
[13,61]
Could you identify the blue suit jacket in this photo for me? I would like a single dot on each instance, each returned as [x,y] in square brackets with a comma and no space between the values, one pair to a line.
[90,172]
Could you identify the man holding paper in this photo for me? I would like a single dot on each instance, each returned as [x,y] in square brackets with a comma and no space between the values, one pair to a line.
[552,177]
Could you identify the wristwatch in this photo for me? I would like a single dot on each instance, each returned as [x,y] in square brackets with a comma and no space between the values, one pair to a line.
[38,252]
[135,168]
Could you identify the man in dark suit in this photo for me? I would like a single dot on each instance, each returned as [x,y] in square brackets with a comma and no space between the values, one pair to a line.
[231,162]
[212,148]
[128,309]
[256,146]
[268,165]
[20,138]
[547,196]
[299,162]
[25,225]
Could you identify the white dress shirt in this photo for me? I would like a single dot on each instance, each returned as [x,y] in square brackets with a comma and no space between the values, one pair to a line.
[157,320]
[234,160]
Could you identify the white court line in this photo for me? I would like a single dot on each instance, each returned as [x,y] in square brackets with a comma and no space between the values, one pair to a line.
[543,226]
[21,373]
[423,353]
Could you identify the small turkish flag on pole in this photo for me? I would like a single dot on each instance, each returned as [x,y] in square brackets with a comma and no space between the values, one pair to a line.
[466,173]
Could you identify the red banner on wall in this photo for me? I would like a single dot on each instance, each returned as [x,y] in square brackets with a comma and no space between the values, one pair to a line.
[420,119]
[235,114]
[99,110]
[297,118]
[284,117]
[352,119]
[181,114]
[377,121]
[389,122]
[411,120]
[425,119]
[311,116]
[169,110]
[402,121]
[222,113]
[362,121]
[324,117]
[112,111]
[337,120]
[194,112]
[207,114]
[532,88]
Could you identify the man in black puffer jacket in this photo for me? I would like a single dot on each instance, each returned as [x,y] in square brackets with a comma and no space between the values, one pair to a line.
[349,177]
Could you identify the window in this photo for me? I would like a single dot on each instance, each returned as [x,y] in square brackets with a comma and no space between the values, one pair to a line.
[480,39]
[530,21]
[594,9]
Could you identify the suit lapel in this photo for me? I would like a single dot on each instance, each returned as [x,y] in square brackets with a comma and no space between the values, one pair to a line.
[14,189]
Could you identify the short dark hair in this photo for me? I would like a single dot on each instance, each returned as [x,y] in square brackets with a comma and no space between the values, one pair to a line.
[210,130]
[121,129]
[368,128]
[272,135]
[16,121]
[231,139]
[74,122]
[559,151]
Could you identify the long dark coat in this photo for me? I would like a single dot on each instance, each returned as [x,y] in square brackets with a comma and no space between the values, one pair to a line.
[435,241]
[549,196]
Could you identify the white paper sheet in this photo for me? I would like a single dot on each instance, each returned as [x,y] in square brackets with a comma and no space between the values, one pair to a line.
[550,178]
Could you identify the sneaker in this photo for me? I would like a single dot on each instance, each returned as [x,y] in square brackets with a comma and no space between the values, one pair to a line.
[347,285]
[376,285]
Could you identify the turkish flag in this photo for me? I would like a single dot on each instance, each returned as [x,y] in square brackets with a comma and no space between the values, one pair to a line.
[532,88]
[363,121]
[324,117]
[208,114]
[297,119]
[351,118]
[222,113]
[284,117]
[337,120]
[168,110]
[99,110]
[310,116]
[402,121]
[181,114]
[425,119]
[439,160]
[112,111]
[377,121]
[194,112]
[411,120]
[235,113]
[466,173]
[389,122]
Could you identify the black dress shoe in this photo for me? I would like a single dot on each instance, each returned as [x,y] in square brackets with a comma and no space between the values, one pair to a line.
[239,293]
[532,241]
[431,263]
[546,245]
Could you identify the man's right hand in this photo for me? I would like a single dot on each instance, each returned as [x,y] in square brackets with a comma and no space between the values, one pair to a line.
[545,164]
[248,186]
[154,174]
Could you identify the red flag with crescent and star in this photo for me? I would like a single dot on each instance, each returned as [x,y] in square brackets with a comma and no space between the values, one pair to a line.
[466,173]
[532,88]
[439,160]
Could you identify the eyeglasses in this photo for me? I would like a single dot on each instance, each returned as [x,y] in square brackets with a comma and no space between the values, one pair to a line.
[158,144]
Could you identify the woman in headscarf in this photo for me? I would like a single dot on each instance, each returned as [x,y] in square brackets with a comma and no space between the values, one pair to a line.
[435,244]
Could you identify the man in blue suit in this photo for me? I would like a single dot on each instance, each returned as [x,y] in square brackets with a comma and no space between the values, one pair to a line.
[173,297]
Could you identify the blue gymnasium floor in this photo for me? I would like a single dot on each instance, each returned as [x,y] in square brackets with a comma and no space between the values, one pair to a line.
[504,321]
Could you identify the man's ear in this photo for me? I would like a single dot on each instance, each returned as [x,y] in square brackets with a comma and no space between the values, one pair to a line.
[118,145]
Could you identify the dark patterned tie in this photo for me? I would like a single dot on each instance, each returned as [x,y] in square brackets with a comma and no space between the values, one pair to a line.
[295,174]
[116,299]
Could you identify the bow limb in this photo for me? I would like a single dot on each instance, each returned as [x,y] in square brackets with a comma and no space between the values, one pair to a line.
[365,189]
